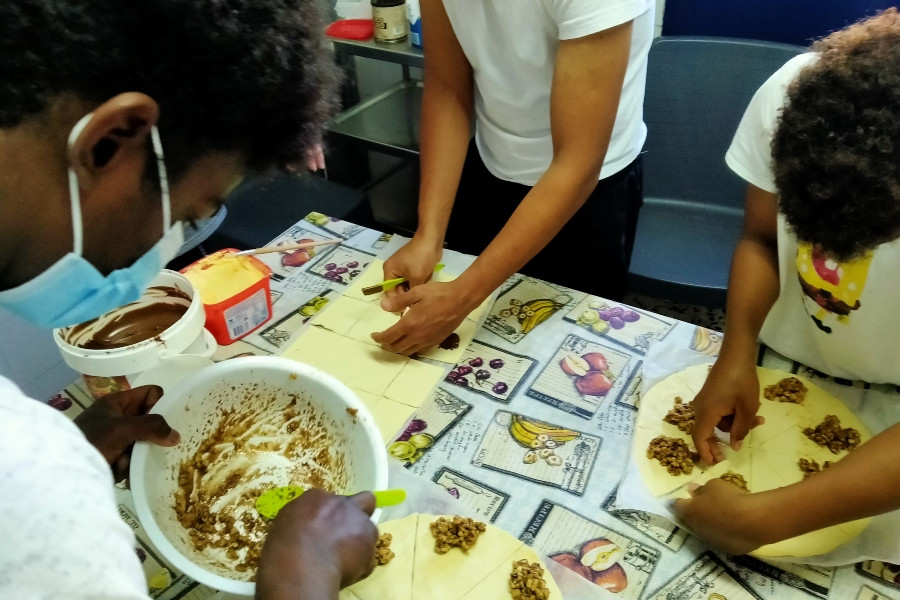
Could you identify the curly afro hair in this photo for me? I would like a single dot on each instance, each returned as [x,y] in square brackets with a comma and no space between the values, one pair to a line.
[836,149]
[247,76]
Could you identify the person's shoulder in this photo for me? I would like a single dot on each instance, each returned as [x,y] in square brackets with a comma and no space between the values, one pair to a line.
[579,18]
[29,425]
[749,154]
[778,82]
[63,536]
[772,95]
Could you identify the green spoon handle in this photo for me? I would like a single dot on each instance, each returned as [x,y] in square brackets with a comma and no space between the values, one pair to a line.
[389,497]
[392,283]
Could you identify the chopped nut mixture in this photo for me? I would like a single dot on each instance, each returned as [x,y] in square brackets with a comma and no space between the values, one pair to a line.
[383,552]
[810,466]
[219,484]
[461,532]
[526,582]
[789,389]
[673,453]
[682,415]
[735,479]
[831,435]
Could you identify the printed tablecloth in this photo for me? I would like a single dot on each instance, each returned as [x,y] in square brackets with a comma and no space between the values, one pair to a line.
[520,436]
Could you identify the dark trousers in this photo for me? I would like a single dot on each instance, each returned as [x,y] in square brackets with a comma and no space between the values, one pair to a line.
[591,252]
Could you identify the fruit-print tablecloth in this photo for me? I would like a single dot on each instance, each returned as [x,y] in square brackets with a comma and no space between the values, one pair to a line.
[531,431]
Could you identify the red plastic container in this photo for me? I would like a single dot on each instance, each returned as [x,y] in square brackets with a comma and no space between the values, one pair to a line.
[235,293]
[351,29]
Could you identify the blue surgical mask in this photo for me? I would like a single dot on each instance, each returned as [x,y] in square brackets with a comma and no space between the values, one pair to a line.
[73,290]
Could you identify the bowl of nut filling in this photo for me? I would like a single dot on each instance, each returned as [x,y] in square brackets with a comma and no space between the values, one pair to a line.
[247,425]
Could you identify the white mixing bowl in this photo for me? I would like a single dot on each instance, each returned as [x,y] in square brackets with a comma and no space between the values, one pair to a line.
[192,407]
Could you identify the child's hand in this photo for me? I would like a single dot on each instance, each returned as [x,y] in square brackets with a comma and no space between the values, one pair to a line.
[724,517]
[729,400]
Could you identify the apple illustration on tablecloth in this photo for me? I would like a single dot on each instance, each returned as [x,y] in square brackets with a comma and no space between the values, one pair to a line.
[598,562]
[591,373]
[298,258]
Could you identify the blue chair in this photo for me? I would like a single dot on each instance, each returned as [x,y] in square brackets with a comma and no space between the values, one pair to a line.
[697,90]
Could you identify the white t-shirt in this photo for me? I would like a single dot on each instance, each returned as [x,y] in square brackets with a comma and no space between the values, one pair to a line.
[61,533]
[839,318]
[511,45]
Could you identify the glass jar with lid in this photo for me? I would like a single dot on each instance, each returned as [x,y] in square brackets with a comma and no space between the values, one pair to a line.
[390,18]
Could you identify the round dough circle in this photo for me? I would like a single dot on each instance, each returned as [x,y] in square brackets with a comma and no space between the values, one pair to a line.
[768,458]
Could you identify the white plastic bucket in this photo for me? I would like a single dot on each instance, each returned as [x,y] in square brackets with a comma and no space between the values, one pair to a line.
[116,369]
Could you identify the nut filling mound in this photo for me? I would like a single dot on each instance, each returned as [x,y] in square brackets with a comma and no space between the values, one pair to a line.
[681,415]
[673,453]
[245,454]
[461,532]
[526,582]
[736,479]
[831,435]
[810,467]
[789,389]
[383,552]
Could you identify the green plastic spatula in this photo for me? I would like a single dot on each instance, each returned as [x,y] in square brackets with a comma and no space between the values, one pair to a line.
[272,501]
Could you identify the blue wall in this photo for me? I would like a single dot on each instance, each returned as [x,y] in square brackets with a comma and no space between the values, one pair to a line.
[789,21]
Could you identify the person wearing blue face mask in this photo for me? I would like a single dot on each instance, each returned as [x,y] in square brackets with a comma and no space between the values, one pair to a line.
[88,293]
[116,126]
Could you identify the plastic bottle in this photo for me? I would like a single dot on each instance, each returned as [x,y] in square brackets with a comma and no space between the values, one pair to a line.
[415,22]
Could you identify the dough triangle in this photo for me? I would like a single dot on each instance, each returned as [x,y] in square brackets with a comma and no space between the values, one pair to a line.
[496,584]
[450,576]
[393,581]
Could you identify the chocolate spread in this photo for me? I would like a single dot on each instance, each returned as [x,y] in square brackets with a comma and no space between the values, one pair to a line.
[158,309]
[451,343]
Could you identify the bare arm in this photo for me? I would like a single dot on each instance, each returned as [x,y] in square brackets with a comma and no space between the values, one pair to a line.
[587,83]
[730,397]
[447,105]
[863,484]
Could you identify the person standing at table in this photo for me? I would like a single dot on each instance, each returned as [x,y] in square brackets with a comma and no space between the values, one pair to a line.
[118,123]
[815,276]
[557,89]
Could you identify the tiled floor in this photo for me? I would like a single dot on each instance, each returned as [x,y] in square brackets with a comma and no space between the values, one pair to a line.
[713,318]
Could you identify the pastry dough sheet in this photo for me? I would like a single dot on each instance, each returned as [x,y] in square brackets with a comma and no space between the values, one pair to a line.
[392,386]
[358,316]
[768,459]
[417,572]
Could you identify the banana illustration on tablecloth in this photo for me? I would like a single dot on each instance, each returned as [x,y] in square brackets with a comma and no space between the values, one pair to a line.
[532,313]
[541,439]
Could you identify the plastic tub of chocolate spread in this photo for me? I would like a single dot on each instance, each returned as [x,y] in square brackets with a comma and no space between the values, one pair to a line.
[113,349]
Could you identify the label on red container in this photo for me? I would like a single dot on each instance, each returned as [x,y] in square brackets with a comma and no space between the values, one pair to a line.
[247,315]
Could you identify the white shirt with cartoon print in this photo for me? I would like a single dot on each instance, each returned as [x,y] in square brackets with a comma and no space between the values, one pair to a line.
[839,318]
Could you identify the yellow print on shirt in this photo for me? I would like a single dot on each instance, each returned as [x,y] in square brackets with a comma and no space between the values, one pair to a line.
[831,289]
